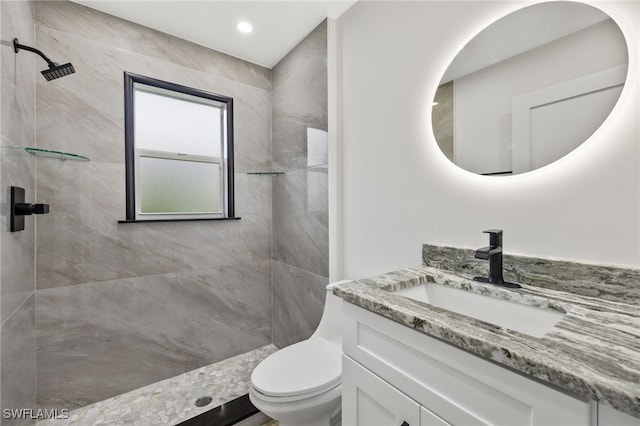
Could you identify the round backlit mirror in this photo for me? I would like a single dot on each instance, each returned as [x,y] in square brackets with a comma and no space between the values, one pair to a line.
[530,88]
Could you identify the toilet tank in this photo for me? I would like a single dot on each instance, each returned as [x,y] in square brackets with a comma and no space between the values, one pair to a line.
[330,327]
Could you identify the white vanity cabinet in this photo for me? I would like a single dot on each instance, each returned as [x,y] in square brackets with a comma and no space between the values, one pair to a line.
[393,375]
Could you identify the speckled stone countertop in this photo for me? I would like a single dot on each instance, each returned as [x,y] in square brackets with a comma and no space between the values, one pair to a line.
[594,351]
[601,281]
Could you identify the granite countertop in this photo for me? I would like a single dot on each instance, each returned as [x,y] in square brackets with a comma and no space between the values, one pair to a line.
[594,351]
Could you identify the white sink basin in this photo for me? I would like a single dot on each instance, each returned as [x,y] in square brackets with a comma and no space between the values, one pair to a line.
[526,319]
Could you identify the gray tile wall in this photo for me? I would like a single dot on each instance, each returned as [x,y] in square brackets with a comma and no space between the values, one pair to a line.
[17,275]
[300,215]
[120,306]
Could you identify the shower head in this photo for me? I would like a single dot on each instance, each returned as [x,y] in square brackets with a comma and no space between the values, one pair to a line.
[58,71]
[55,70]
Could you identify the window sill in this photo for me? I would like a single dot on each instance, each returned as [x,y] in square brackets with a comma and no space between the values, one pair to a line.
[176,220]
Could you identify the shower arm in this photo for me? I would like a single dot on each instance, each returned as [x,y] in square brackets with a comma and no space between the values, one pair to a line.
[17,46]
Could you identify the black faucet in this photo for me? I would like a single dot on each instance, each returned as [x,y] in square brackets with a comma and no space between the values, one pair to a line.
[493,253]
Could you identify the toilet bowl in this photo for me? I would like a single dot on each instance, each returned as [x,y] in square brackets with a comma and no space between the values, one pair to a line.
[301,385]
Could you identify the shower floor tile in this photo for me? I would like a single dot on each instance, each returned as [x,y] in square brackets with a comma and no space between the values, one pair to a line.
[172,401]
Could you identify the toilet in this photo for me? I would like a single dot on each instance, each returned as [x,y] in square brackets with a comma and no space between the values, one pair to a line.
[301,385]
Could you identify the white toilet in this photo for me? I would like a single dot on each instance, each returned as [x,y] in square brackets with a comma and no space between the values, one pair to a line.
[301,385]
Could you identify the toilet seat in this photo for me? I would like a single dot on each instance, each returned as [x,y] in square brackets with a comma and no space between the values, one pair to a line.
[299,371]
[296,398]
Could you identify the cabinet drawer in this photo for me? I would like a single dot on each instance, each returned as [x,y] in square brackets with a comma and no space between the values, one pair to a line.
[457,386]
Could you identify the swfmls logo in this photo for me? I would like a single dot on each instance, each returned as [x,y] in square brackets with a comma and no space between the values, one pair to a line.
[31,414]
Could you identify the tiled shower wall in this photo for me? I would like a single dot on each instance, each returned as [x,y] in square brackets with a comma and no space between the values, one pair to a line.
[124,305]
[300,212]
[120,306]
[17,275]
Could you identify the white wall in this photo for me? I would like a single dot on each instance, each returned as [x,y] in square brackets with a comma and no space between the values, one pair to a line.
[399,190]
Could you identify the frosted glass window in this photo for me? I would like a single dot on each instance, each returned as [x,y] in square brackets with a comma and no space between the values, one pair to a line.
[177,186]
[178,152]
[165,123]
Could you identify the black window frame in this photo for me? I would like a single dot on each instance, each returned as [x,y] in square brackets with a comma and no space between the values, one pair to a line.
[129,129]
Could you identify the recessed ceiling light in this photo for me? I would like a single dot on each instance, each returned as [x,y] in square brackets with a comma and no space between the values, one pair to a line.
[244,27]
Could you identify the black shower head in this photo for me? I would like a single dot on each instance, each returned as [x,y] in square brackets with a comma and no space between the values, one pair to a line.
[58,71]
[54,71]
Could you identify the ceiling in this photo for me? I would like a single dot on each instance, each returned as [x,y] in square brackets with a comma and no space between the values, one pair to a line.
[278,26]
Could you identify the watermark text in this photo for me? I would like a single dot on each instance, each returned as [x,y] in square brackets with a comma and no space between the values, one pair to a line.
[35,414]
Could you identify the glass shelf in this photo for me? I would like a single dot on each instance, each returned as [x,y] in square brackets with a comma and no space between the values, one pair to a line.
[39,152]
[265,173]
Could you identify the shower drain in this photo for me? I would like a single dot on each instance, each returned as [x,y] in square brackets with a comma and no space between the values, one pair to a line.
[203,400]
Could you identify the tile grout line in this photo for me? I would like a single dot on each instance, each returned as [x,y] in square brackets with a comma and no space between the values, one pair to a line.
[26,299]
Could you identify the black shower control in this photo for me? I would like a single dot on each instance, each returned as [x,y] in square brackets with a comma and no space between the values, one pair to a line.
[25,209]
[20,209]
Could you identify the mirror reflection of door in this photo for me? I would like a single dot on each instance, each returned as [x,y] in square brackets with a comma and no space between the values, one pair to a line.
[544,47]
[551,122]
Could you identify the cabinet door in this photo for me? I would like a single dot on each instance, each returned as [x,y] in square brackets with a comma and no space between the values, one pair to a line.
[367,400]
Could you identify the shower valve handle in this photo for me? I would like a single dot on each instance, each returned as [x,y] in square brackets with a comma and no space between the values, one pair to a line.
[20,209]
[25,209]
